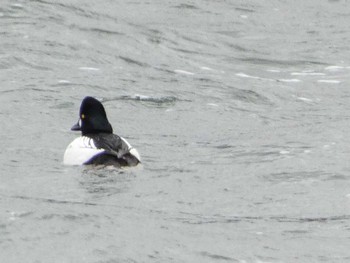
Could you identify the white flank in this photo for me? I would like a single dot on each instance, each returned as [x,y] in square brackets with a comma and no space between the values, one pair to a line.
[79,151]
[132,150]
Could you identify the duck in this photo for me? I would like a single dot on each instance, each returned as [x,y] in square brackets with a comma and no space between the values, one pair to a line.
[97,144]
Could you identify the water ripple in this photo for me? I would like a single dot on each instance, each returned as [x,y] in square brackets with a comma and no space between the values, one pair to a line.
[148,99]
[197,219]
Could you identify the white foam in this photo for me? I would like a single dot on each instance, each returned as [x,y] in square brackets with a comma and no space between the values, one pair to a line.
[213,104]
[330,81]
[142,97]
[243,75]
[284,152]
[289,80]
[307,74]
[184,72]
[17,5]
[206,68]
[63,81]
[304,99]
[89,68]
[334,68]
[274,70]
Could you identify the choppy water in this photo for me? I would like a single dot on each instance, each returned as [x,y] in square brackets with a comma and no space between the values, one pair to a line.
[240,110]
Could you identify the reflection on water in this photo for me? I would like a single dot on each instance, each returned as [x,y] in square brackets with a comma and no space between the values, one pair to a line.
[105,181]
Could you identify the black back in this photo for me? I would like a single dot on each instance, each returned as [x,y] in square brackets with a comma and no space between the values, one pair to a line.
[116,151]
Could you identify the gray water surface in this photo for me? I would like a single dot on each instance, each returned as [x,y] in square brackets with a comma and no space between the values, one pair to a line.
[239,109]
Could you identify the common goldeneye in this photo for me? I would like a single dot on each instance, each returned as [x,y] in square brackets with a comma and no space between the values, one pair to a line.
[98,145]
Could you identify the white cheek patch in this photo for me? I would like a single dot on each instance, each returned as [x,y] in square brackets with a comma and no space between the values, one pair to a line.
[79,151]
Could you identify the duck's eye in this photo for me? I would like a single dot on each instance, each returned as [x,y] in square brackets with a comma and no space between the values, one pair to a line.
[83,116]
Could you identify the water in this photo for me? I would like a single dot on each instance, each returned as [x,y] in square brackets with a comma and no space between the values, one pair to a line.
[239,109]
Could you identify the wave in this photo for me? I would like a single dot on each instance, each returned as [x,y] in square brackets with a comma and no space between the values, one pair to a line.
[144,98]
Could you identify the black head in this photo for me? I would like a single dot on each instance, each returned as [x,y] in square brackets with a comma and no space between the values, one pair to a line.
[92,118]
